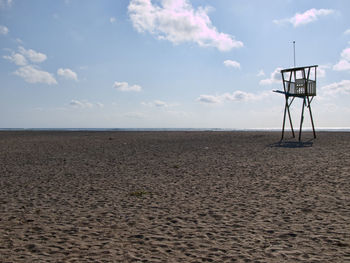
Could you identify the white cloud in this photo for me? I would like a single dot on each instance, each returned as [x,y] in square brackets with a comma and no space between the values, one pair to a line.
[156,103]
[17,58]
[342,65]
[235,96]
[239,96]
[84,104]
[342,87]
[3,30]
[67,73]
[159,103]
[346,54]
[244,96]
[99,104]
[321,71]
[344,62]
[112,20]
[275,77]
[76,103]
[261,73]
[232,63]
[32,74]
[209,99]
[347,32]
[80,104]
[177,21]
[5,3]
[32,55]
[307,17]
[124,86]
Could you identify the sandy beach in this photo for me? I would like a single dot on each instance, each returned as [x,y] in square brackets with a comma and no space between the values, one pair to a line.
[173,197]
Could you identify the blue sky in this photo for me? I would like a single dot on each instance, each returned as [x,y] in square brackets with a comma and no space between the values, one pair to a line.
[168,63]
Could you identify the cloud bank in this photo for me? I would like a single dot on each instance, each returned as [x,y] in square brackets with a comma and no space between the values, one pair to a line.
[307,17]
[177,21]
[342,87]
[231,97]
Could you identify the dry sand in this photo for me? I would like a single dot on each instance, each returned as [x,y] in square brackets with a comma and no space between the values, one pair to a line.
[173,197]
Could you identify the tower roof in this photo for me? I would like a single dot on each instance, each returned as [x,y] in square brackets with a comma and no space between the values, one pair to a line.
[297,68]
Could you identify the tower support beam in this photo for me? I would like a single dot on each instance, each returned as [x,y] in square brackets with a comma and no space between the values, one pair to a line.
[298,83]
[301,119]
[312,120]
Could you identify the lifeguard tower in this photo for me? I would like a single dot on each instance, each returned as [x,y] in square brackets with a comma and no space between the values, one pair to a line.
[298,82]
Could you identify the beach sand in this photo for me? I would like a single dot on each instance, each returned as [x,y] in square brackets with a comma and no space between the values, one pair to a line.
[174,197]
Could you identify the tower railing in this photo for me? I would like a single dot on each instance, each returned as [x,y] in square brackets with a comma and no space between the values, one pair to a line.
[299,87]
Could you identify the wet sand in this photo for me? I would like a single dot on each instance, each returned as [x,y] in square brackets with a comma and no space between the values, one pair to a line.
[174,197]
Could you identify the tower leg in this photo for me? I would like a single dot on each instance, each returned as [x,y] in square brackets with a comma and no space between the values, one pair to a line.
[291,124]
[312,121]
[284,117]
[302,119]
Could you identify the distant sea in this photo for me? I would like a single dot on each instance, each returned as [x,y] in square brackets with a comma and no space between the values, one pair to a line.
[332,129]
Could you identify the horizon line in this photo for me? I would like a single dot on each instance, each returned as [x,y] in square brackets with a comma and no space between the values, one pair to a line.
[307,129]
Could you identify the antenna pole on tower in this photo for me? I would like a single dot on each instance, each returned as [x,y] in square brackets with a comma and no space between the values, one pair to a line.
[294,51]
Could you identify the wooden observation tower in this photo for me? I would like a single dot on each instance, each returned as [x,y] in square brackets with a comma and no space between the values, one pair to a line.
[298,82]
